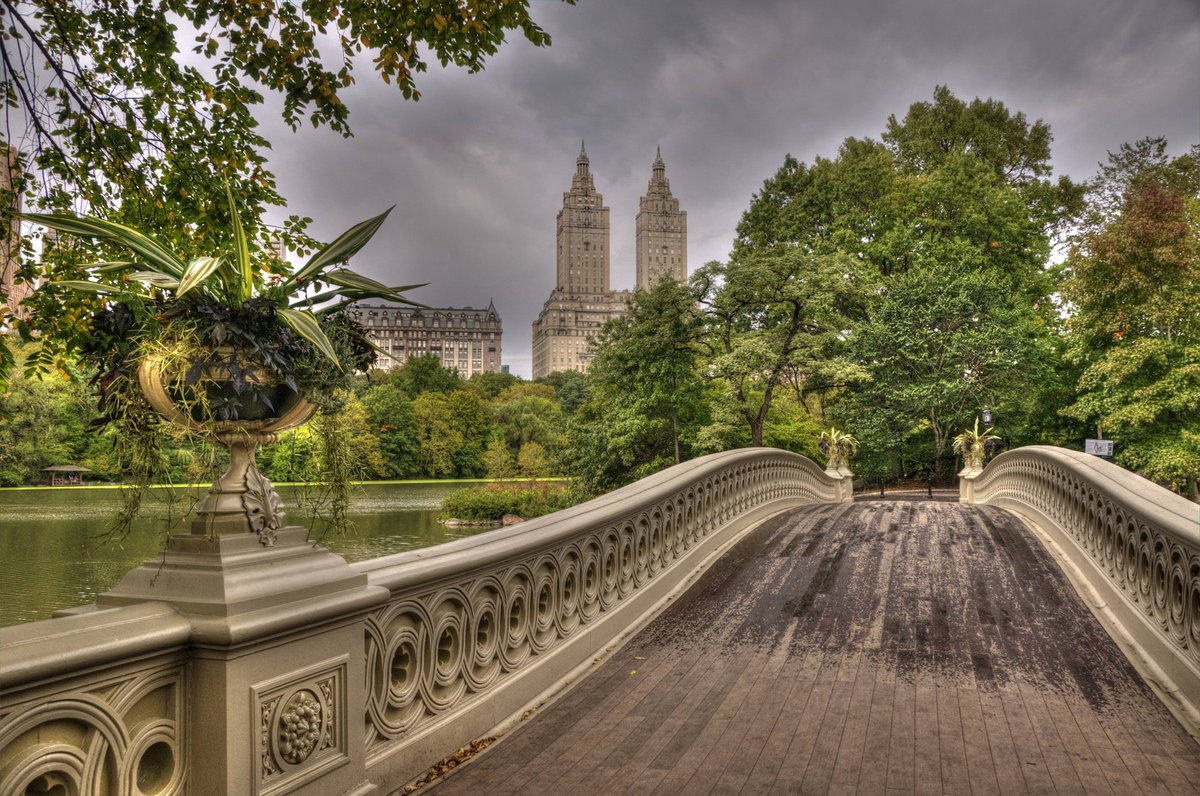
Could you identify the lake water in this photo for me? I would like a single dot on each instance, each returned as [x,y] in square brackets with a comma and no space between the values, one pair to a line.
[54,553]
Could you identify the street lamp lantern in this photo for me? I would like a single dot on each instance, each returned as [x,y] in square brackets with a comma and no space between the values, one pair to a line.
[987,415]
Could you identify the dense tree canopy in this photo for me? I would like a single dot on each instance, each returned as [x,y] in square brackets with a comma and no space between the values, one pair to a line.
[141,109]
[648,398]
[1134,273]
[774,314]
[952,216]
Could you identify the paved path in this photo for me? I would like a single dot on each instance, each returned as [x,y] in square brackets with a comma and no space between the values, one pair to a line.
[872,647]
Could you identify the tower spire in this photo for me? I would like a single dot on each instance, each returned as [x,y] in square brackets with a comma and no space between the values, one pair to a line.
[658,170]
[582,172]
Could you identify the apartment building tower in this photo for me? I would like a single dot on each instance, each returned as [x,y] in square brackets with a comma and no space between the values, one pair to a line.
[582,299]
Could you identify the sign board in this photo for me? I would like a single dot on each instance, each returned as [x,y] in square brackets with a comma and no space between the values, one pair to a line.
[1098,447]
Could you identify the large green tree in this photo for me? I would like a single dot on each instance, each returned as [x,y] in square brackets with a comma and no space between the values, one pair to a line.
[1134,272]
[646,365]
[392,420]
[941,344]
[647,397]
[776,315]
[141,109]
[952,215]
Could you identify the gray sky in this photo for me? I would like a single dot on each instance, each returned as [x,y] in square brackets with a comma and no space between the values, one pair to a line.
[477,168]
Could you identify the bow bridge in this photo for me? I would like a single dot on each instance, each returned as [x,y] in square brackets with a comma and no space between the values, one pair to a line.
[739,623]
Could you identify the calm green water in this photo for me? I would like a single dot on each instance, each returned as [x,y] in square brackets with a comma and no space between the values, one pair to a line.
[53,553]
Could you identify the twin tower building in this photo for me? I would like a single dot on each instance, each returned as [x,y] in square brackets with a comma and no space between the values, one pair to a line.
[582,299]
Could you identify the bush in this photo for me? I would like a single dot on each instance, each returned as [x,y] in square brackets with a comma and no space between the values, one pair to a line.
[493,501]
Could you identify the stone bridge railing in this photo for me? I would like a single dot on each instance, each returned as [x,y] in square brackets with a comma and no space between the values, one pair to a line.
[229,668]
[1131,548]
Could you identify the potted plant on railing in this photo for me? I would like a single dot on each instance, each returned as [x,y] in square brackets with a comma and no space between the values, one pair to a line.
[235,347]
[972,444]
[838,447]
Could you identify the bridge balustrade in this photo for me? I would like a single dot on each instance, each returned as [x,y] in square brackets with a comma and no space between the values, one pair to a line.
[419,653]
[1131,548]
[477,628]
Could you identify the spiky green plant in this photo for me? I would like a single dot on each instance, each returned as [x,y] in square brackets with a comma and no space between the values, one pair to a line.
[231,279]
[838,446]
[971,443]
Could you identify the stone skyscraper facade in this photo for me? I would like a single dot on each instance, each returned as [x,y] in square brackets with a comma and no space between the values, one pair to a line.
[582,299]
[661,231]
[582,235]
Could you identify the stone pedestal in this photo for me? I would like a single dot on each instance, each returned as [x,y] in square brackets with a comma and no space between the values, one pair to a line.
[966,483]
[276,682]
[845,480]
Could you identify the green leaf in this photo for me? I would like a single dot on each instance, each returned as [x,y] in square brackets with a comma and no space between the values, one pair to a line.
[241,251]
[328,295]
[155,278]
[197,271]
[155,254]
[87,287]
[307,326]
[347,278]
[110,267]
[346,245]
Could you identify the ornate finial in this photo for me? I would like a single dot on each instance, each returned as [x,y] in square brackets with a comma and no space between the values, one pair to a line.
[582,149]
[658,154]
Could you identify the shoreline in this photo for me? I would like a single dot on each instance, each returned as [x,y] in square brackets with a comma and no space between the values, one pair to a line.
[412,482]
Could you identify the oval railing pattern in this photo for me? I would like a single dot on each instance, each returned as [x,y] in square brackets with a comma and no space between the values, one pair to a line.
[1142,539]
[454,632]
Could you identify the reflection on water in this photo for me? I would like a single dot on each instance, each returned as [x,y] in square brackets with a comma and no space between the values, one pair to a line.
[53,552]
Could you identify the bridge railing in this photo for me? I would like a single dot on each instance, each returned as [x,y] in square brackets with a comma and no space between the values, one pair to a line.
[313,676]
[477,628]
[1131,547]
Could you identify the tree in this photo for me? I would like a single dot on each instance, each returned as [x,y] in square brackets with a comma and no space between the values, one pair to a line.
[438,436]
[46,424]
[489,385]
[646,362]
[532,460]
[1133,272]
[392,420]
[774,313]
[940,345]
[498,459]
[527,418]
[452,433]
[955,201]
[571,389]
[424,374]
[116,121]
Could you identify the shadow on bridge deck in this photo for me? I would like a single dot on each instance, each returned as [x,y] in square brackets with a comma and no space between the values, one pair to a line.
[913,646]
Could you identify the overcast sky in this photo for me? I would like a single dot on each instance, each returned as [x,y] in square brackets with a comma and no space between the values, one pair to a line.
[478,167]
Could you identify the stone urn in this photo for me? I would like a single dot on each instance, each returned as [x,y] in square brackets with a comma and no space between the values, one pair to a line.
[242,500]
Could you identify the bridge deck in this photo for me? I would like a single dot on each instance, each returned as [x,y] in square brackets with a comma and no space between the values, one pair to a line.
[877,646]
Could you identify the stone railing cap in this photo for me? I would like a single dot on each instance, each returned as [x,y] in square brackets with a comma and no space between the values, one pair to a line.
[1159,506]
[428,565]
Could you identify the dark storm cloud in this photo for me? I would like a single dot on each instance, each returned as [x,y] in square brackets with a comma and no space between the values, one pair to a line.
[477,168]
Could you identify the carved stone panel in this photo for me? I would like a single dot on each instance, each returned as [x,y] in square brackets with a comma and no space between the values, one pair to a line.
[118,735]
[299,722]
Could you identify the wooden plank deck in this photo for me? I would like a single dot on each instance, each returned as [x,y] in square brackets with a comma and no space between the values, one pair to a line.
[899,646]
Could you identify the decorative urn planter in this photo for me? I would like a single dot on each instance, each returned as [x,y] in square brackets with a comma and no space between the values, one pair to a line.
[242,500]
